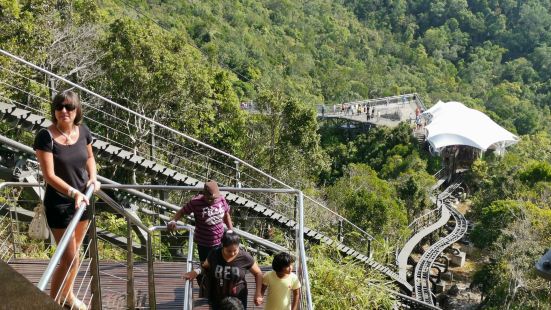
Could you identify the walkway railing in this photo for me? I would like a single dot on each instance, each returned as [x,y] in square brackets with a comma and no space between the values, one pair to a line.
[188,298]
[331,109]
[302,269]
[83,287]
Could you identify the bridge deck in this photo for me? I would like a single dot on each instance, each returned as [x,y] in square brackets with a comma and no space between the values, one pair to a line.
[389,115]
[412,243]
[169,285]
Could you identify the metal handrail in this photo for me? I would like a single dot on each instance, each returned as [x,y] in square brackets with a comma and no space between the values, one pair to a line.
[375,101]
[300,246]
[132,189]
[188,301]
[429,214]
[369,236]
[302,252]
[115,206]
[62,245]
[86,90]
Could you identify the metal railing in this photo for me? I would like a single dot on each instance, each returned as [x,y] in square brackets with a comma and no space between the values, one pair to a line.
[139,135]
[188,298]
[302,269]
[83,287]
[390,100]
[62,245]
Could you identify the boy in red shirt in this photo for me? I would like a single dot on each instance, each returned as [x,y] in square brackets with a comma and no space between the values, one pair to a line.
[211,211]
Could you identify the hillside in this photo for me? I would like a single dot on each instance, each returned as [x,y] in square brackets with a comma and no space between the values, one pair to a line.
[490,55]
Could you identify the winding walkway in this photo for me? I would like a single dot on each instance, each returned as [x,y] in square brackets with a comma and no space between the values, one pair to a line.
[422,283]
[412,243]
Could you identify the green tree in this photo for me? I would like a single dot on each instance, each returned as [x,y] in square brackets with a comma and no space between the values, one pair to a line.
[368,201]
[339,283]
[284,139]
[413,187]
[536,172]
[492,221]
[154,74]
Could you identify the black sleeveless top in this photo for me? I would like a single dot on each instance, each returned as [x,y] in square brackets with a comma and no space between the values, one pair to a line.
[69,162]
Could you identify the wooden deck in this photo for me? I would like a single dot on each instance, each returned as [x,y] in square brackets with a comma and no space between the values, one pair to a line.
[169,286]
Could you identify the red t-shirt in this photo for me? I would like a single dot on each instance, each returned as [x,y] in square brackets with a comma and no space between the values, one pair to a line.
[209,219]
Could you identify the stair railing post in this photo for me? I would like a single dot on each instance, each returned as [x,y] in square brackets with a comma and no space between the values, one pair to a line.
[151,274]
[94,256]
[13,227]
[130,297]
[369,254]
[237,175]
[302,253]
[297,221]
[340,234]
[17,227]
[188,301]
[152,139]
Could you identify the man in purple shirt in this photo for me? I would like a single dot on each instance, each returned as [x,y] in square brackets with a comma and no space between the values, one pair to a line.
[211,211]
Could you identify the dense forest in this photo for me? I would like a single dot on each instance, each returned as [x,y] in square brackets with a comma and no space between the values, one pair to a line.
[189,64]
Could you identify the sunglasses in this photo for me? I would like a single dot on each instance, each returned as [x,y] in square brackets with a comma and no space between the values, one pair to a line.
[69,107]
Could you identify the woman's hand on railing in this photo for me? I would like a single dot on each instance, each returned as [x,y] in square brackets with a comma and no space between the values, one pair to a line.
[97,184]
[79,198]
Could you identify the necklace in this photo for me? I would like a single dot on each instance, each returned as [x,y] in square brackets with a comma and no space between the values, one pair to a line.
[67,136]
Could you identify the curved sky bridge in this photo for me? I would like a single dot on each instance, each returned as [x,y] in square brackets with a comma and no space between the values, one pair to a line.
[386,111]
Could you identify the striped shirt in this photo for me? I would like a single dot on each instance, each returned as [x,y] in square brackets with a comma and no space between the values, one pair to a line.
[209,219]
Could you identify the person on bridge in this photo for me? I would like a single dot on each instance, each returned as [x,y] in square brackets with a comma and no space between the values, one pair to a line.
[225,270]
[280,282]
[64,152]
[210,210]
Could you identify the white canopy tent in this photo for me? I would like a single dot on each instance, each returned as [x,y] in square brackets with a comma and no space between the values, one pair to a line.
[452,123]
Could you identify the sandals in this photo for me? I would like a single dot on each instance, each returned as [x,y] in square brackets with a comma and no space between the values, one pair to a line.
[75,304]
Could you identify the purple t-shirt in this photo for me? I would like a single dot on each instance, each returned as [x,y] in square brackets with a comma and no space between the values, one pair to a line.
[209,219]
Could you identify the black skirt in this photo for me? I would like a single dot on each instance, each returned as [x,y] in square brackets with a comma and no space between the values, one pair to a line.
[60,209]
